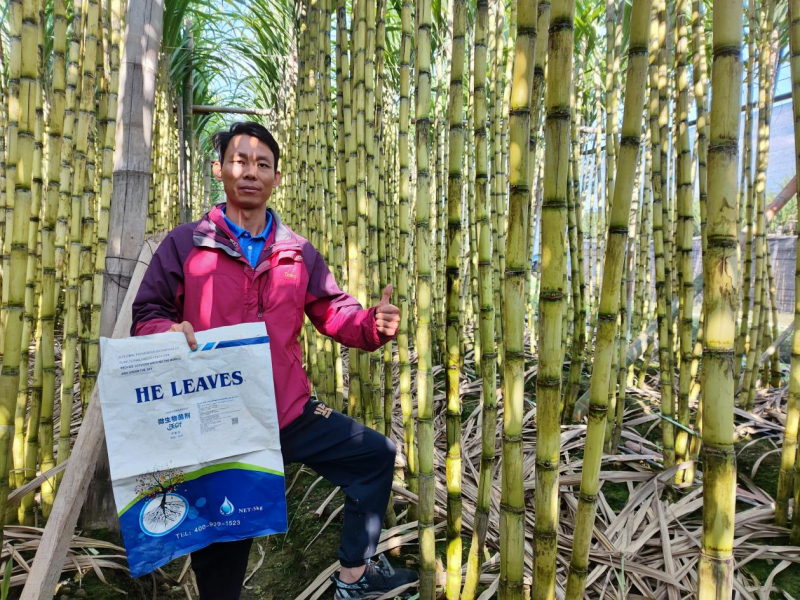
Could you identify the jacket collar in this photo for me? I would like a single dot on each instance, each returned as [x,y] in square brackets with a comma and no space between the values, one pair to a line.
[213,232]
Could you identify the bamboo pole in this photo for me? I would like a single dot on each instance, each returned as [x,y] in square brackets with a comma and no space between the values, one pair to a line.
[132,172]
[202,109]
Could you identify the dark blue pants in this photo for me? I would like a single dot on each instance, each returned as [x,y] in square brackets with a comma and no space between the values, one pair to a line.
[346,453]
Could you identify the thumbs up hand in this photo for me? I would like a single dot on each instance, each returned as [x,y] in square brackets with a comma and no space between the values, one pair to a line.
[387,316]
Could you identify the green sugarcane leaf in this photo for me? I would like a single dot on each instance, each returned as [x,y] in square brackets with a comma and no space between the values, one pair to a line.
[6,585]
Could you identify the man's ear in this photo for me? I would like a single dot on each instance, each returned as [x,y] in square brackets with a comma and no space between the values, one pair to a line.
[216,168]
[277,178]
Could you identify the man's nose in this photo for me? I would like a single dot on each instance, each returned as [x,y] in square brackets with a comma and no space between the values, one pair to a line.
[249,171]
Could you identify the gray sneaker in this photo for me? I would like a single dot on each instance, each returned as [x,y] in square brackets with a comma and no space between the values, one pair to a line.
[379,578]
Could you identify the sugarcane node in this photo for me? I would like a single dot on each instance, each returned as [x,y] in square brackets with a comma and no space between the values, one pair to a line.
[610,317]
[722,241]
[579,571]
[557,204]
[629,140]
[561,113]
[724,147]
[522,111]
[546,465]
[561,24]
[598,411]
[519,188]
[727,51]
[551,296]
[545,535]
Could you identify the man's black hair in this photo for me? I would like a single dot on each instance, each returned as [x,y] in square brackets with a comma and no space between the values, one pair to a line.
[221,139]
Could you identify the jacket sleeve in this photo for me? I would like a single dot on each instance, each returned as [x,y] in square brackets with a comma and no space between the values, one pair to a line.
[159,301]
[337,314]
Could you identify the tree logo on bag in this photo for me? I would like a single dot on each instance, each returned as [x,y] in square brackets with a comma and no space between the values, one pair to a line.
[164,510]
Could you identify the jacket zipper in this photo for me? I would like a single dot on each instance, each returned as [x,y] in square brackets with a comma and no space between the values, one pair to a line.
[260,295]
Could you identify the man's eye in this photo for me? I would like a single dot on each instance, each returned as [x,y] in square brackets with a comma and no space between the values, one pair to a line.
[263,166]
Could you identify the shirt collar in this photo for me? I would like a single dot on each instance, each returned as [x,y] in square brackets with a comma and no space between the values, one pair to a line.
[239,231]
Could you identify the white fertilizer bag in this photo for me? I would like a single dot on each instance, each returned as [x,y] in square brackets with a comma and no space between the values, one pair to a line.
[193,441]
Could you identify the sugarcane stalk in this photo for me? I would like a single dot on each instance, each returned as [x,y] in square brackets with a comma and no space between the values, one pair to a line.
[47,314]
[427,584]
[552,297]
[685,191]
[663,302]
[610,295]
[488,358]
[512,503]
[720,281]
[24,69]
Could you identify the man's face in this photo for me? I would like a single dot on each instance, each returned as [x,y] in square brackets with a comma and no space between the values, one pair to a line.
[247,172]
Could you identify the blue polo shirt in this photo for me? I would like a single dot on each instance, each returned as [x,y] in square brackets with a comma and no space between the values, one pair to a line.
[251,245]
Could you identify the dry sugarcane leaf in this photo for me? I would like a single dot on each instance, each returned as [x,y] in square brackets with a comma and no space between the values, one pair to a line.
[331,517]
[327,501]
[256,568]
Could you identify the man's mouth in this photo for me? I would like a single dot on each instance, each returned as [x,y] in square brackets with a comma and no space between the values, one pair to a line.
[249,189]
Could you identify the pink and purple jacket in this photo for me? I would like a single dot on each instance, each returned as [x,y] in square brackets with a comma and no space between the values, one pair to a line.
[199,275]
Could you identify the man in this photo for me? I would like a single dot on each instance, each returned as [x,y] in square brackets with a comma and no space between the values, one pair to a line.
[241,264]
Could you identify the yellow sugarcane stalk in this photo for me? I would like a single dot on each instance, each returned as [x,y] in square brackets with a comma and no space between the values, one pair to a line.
[615,263]
[404,255]
[552,297]
[747,198]
[453,334]
[46,340]
[427,583]
[24,65]
[685,192]
[663,301]
[789,478]
[512,513]
[81,139]
[488,358]
[720,281]
[766,76]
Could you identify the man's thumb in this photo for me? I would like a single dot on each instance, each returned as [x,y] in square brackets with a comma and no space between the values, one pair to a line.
[387,293]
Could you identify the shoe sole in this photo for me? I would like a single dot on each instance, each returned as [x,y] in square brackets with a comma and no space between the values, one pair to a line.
[395,594]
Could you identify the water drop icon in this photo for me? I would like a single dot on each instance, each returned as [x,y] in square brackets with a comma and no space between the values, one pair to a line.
[226,508]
